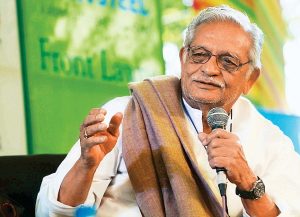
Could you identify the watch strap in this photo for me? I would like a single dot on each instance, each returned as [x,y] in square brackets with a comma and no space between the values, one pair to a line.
[256,192]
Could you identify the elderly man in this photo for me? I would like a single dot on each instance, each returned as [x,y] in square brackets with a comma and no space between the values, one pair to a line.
[163,162]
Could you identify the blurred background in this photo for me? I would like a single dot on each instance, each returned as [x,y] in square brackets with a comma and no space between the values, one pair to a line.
[60,58]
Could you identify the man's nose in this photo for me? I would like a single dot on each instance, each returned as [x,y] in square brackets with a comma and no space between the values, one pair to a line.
[211,67]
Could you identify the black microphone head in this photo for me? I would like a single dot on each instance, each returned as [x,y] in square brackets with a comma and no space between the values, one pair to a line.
[217,118]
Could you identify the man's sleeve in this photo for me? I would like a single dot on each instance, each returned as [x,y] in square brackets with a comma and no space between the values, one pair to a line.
[47,204]
[284,185]
[281,173]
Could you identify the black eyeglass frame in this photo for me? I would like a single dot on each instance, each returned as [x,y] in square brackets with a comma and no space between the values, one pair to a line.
[238,66]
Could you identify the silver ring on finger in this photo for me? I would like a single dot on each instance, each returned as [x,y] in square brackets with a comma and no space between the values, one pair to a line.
[85,135]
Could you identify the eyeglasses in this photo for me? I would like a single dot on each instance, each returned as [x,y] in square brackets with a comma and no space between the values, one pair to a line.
[225,61]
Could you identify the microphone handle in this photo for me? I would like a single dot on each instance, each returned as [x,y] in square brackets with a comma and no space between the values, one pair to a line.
[220,169]
[221,175]
[222,180]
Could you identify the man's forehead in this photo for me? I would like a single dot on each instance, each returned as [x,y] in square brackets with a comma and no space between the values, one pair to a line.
[222,37]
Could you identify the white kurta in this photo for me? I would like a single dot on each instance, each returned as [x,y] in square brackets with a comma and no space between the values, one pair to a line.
[269,152]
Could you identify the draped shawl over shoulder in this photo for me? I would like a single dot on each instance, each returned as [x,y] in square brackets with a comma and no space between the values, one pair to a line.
[158,155]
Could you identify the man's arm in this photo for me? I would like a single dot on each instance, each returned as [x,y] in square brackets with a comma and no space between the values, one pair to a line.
[224,150]
[96,140]
[263,206]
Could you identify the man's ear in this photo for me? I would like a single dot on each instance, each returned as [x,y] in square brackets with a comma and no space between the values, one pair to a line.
[251,80]
[181,55]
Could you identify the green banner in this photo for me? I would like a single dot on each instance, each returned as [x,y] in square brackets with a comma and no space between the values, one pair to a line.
[77,54]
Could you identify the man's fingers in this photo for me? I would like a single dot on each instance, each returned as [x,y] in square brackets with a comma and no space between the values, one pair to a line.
[95,116]
[94,125]
[98,111]
[219,134]
[95,140]
[221,162]
[219,151]
[114,124]
[202,137]
[95,128]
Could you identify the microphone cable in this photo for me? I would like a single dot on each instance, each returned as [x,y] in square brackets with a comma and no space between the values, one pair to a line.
[222,184]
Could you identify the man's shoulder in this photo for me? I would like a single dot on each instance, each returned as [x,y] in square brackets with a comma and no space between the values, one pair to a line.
[245,112]
[244,102]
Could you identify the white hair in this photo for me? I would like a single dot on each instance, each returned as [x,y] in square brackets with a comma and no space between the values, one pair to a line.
[226,13]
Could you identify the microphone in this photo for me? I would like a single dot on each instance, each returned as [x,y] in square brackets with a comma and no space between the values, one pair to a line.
[217,119]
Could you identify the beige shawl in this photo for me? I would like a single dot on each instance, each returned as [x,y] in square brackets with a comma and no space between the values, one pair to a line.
[158,156]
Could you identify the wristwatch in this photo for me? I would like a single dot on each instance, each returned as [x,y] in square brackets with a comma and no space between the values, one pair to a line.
[256,192]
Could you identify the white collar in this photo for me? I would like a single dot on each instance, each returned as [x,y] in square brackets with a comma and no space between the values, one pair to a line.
[195,115]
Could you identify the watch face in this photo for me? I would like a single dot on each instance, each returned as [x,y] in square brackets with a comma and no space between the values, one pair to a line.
[259,189]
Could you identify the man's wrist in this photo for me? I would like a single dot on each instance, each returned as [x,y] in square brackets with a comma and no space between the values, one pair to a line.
[247,183]
[256,192]
[86,167]
[247,180]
